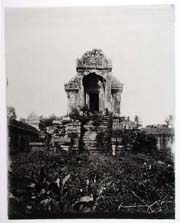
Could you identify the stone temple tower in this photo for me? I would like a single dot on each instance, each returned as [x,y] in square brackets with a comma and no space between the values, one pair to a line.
[94,86]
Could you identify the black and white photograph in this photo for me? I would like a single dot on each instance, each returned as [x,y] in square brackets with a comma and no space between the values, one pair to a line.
[91,112]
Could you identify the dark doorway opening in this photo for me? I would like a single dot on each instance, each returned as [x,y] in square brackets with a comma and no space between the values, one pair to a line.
[92,83]
[94,102]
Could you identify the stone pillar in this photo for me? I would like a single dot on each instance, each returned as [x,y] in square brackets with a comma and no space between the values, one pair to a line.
[87,100]
[108,94]
[69,101]
[101,99]
[158,143]
[113,150]
[117,101]
[81,94]
[113,103]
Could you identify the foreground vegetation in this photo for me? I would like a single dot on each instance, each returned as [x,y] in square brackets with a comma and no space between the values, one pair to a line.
[128,185]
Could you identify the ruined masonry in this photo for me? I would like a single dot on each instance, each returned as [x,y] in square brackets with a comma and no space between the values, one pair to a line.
[95,88]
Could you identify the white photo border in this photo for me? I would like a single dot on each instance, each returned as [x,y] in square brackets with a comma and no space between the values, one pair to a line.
[3,82]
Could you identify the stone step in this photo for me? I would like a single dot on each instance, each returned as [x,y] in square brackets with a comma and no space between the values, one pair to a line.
[90,147]
[90,141]
[92,124]
[88,138]
[91,131]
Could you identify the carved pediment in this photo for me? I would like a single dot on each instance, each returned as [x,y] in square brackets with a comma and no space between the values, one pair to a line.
[115,84]
[94,59]
[73,84]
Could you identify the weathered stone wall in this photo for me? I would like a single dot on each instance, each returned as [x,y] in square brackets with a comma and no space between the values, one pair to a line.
[108,93]
[116,102]
[73,127]
[91,131]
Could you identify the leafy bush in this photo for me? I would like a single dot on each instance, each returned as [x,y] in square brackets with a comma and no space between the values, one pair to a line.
[130,183]
[75,114]
[96,118]
[144,143]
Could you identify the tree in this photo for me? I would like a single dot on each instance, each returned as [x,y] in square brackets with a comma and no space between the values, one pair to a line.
[22,120]
[11,113]
[128,119]
[117,134]
[137,121]
[75,114]
[144,143]
[72,136]
[169,121]
[32,116]
[53,117]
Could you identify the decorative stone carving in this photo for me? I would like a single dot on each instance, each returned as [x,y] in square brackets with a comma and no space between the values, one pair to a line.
[94,59]
[73,84]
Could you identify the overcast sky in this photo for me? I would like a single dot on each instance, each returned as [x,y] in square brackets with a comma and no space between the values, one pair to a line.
[42,46]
